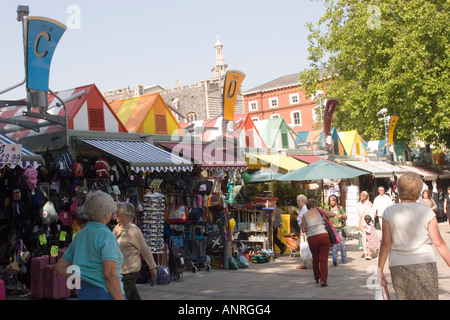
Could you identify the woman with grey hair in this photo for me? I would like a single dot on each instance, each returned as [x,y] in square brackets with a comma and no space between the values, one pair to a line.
[133,245]
[95,252]
[406,230]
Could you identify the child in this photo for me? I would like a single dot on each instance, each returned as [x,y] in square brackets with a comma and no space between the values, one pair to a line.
[372,242]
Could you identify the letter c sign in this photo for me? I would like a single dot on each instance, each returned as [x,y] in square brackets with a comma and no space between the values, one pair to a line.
[46,35]
[42,37]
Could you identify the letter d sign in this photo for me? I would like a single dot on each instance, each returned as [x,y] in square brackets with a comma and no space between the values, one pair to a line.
[233,80]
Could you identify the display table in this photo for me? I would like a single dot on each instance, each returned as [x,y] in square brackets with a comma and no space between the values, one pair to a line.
[255,226]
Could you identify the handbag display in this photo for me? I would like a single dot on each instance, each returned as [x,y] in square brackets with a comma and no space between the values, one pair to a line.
[197,212]
[23,255]
[178,214]
[48,212]
[215,241]
[215,200]
[334,235]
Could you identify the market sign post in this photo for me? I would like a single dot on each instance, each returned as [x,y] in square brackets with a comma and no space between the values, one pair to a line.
[41,38]
[233,81]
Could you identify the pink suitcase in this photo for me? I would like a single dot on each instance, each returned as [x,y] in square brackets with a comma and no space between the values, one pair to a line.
[37,276]
[2,290]
[55,285]
[61,252]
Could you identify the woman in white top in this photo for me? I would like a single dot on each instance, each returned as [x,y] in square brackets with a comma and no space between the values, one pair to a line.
[406,230]
[364,207]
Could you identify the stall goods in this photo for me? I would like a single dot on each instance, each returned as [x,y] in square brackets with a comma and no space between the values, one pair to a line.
[153,221]
[162,275]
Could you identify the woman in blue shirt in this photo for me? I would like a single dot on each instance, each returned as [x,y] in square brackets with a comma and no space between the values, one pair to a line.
[95,252]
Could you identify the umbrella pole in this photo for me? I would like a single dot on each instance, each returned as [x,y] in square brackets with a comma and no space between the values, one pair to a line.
[323,196]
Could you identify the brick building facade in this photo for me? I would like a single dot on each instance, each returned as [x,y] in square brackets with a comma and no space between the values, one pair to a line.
[282,98]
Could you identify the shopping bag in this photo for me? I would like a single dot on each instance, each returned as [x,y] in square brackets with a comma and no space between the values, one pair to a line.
[360,243]
[305,251]
[381,292]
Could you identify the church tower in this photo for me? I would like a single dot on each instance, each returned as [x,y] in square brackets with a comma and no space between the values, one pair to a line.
[220,67]
[203,101]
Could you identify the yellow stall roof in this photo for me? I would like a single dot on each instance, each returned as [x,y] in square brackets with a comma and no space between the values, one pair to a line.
[277,161]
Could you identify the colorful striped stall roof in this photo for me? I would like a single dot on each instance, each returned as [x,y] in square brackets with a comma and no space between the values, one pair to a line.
[147,114]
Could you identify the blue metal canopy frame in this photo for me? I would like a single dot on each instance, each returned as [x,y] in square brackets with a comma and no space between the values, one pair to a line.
[141,155]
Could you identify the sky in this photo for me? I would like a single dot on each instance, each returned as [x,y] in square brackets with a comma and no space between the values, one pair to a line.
[118,44]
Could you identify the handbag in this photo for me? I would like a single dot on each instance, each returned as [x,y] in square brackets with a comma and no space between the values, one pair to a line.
[197,212]
[178,214]
[214,241]
[333,234]
[48,212]
[23,255]
[177,241]
[215,200]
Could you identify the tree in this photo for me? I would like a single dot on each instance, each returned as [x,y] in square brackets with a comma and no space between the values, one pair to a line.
[392,54]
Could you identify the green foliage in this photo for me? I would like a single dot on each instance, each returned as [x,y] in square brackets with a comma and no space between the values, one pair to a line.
[286,194]
[385,54]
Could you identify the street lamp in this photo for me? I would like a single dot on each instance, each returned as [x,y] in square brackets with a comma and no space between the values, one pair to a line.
[22,12]
[385,119]
[319,94]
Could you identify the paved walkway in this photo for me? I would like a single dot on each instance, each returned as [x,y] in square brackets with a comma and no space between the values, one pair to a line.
[280,280]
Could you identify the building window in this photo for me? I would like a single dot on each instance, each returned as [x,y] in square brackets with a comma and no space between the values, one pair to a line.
[96,120]
[273,102]
[274,116]
[191,116]
[160,124]
[296,118]
[255,119]
[293,98]
[285,140]
[253,105]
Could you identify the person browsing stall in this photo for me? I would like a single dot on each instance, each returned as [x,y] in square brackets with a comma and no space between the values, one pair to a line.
[133,245]
[96,252]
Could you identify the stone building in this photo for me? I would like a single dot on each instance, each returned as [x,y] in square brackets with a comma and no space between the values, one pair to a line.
[193,102]
[203,101]
[130,92]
